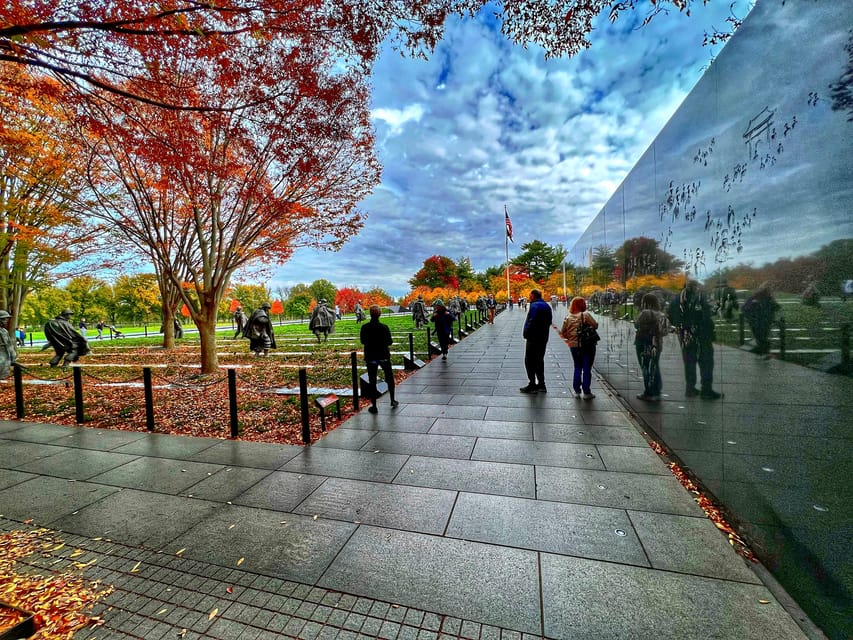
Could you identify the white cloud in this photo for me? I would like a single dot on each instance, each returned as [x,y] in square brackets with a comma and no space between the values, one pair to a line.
[483,123]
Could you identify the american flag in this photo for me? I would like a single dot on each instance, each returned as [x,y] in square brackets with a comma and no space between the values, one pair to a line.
[508,225]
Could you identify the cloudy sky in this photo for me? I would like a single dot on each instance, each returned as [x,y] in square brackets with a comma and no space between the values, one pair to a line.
[484,124]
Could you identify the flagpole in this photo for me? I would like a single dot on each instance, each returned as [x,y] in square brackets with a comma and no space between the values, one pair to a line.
[506,246]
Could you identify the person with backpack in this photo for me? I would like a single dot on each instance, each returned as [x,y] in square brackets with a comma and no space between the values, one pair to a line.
[580,331]
[652,326]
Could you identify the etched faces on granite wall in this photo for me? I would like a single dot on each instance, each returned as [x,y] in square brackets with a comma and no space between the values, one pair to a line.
[749,191]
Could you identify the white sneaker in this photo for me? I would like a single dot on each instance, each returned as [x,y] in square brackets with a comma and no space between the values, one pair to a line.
[588,396]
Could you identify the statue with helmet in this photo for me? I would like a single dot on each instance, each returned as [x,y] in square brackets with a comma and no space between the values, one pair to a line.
[68,343]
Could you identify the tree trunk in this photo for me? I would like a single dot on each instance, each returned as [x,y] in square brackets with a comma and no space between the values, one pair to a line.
[206,323]
[168,326]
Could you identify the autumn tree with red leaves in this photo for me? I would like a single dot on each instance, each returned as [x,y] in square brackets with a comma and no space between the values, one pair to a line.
[204,194]
[110,46]
[43,224]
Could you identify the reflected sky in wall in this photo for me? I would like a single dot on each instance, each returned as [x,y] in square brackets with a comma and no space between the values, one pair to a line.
[745,160]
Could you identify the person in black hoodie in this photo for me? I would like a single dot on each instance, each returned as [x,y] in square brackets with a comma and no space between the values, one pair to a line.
[376,338]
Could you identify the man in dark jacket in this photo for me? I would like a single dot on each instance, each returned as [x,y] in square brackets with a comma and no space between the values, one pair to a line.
[65,339]
[690,314]
[376,338]
[537,329]
[443,320]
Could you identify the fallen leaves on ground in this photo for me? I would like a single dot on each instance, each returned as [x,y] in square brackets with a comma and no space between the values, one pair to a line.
[58,602]
[185,402]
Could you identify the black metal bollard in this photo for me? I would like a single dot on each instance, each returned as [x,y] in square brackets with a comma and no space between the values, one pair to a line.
[411,346]
[845,345]
[232,403]
[19,390]
[149,398]
[741,328]
[429,340]
[353,358]
[145,330]
[782,338]
[78,395]
[303,404]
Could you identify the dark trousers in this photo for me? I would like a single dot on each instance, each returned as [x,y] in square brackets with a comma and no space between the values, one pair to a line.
[698,352]
[534,361]
[650,366]
[583,359]
[443,342]
[387,373]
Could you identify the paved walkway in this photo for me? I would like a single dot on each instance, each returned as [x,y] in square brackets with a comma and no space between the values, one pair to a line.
[470,511]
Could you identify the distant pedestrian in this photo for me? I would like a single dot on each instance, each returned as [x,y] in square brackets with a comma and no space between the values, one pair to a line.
[376,338]
[690,313]
[760,310]
[537,329]
[99,327]
[583,355]
[68,344]
[337,312]
[20,337]
[240,320]
[443,320]
[491,308]
[83,327]
[8,350]
[419,314]
[652,327]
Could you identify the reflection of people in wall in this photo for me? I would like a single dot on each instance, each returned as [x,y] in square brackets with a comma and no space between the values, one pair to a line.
[651,326]
[760,310]
[690,313]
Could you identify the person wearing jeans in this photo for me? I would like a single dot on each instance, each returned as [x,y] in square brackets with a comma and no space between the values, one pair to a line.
[582,357]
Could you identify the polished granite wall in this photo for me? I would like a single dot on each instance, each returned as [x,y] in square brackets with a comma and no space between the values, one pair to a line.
[752,179]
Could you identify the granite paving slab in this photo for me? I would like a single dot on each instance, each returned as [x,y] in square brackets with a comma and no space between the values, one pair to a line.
[689,545]
[341,463]
[557,454]
[421,444]
[100,439]
[647,492]
[555,527]
[416,396]
[469,475]
[260,455]
[530,413]
[482,428]
[14,453]
[279,491]
[385,505]
[600,600]
[471,580]
[165,445]
[36,432]
[227,484]
[80,464]
[588,434]
[546,401]
[45,499]
[632,459]
[444,411]
[161,475]
[9,478]
[291,547]
[8,426]
[136,517]
[389,421]
[344,438]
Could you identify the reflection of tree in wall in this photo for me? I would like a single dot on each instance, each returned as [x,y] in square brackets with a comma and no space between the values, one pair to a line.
[826,268]
[603,264]
[643,256]
[842,90]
